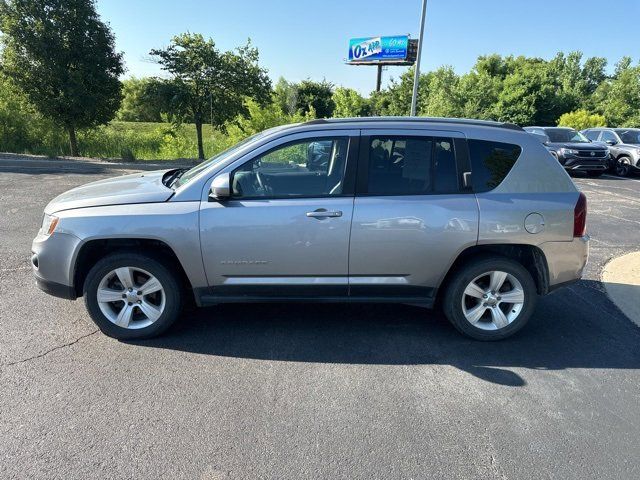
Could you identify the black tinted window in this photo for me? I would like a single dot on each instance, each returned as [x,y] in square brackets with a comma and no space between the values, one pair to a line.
[565,135]
[411,166]
[490,163]
[592,135]
[629,136]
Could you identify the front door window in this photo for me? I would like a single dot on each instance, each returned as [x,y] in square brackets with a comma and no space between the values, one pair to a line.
[307,168]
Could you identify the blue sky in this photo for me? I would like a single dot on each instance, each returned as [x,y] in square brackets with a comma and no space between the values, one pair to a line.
[309,39]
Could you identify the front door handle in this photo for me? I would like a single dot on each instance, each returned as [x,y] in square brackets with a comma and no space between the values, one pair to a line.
[324,213]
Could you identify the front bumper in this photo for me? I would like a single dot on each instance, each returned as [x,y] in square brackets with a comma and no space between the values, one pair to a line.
[56,289]
[566,260]
[585,164]
[52,263]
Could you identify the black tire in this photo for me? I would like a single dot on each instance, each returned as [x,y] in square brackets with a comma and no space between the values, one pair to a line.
[595,173]
[622,167]
[454,296]
[167,278]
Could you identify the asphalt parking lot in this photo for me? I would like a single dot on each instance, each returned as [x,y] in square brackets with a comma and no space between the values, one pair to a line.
[315,391]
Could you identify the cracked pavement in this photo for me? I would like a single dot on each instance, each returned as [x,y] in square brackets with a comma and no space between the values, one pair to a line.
[314,391]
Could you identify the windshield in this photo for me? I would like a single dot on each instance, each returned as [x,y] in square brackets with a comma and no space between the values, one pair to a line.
[188,175]
[565,135]
[629,136]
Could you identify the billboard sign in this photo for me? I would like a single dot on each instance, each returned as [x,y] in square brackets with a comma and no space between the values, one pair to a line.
[378,49]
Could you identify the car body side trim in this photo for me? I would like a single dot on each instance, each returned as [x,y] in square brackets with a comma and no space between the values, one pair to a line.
[340,280]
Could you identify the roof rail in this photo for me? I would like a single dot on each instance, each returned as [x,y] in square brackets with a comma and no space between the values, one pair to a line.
[454,121]
[315,122]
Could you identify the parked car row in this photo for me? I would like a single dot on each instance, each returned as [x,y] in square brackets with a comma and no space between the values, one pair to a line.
[594,150]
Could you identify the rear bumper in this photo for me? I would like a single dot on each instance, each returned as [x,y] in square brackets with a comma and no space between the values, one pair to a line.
[566,260]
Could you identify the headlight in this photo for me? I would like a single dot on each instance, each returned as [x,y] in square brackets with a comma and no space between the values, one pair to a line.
[568,151]
[49,224]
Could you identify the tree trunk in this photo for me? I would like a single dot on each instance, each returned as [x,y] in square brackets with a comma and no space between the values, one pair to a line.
[199,135]
[73,141]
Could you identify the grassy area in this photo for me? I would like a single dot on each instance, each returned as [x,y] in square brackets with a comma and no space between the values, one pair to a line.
[127,140]
[148,141]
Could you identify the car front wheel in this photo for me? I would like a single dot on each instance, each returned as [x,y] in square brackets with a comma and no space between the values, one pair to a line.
[623,166]
[490,298]
[131,296]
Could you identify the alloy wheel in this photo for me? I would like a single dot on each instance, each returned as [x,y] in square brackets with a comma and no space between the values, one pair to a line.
[623,166]
[131,297]
[493,300]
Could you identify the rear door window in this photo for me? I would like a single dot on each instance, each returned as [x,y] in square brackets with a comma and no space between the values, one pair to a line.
[413,165]
[490,163]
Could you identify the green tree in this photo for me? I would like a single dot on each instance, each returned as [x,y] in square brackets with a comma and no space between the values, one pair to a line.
[478,94]
[62,56]
[350,103]
[261,117]
[395,100]
[140,101]
[581,119]
[530,94]
[285,96]
[316,95]
[210,85]
[441,98]
[618,99]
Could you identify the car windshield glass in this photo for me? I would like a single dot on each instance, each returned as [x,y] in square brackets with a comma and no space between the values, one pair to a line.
[629,136]
[563,135]
[189,175]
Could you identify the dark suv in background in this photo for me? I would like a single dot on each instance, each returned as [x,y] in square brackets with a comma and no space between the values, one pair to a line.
[574,151]
[624,145]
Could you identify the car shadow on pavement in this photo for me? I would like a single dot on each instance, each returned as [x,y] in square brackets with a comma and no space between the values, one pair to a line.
[576,327]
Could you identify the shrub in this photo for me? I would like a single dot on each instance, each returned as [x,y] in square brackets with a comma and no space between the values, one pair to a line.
[581,119]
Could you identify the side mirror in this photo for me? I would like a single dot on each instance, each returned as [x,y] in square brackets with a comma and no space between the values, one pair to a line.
[610,142]
[220,187]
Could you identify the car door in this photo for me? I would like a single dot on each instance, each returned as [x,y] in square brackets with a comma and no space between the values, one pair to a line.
[284,231]
[412,215]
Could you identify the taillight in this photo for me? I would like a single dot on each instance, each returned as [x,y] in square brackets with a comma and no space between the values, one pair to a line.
[580,216]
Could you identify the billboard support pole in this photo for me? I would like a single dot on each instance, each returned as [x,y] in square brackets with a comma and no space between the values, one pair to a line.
[379,79]
[416,73]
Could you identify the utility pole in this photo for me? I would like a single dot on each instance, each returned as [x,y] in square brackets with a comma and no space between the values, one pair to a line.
[416,76]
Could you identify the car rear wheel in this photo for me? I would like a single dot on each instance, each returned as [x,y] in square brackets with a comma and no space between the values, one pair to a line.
[490,298]
[623,166]
[131,296]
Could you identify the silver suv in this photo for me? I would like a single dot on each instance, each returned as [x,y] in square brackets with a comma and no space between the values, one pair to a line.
[473,216]
[624,144]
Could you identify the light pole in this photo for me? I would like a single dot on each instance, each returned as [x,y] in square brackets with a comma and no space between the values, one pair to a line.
[416,73]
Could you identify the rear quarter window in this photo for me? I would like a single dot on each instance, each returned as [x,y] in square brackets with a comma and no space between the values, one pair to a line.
[490,163]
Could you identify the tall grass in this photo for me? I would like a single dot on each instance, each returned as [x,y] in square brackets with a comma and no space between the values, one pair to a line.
[145,141]
[127,140]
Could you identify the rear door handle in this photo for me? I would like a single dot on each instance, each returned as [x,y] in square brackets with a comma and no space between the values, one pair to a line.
[324,213]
